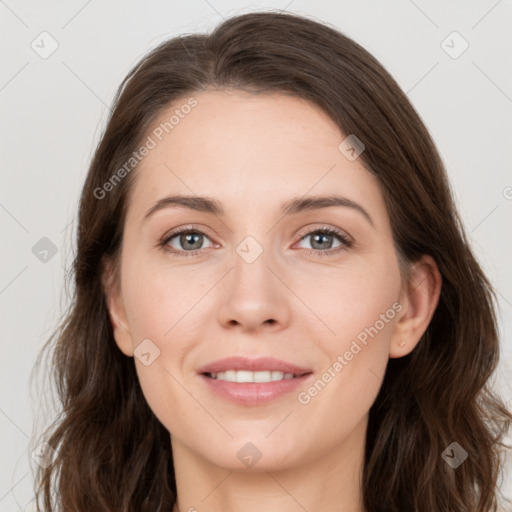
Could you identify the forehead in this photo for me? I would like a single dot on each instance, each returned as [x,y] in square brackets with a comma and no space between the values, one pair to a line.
[236,125]
[241,148]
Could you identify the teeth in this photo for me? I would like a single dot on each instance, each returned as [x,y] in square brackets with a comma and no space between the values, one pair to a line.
[247,376]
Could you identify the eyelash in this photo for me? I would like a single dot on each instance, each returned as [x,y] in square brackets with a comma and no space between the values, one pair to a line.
[346,242]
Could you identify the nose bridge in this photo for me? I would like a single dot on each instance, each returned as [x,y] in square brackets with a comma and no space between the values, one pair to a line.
[254,245]
[254,296]
[250,272]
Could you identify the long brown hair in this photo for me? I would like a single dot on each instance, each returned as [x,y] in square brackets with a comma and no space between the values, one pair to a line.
[111,452]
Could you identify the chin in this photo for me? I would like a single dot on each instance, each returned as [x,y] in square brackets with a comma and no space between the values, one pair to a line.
[256,453]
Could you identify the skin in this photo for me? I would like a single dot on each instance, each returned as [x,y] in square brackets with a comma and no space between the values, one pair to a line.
[253,152]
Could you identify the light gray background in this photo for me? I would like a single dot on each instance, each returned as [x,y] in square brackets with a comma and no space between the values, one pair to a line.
[53,110]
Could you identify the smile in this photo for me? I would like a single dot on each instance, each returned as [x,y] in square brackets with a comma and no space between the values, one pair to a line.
[248,376]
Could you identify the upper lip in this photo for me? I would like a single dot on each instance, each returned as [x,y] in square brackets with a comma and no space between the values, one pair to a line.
[253,365]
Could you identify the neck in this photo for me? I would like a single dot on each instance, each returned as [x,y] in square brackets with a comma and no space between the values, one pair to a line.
[328,481]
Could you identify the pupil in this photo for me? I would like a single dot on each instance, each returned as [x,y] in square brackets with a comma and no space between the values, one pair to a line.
[319,236]
[189,237]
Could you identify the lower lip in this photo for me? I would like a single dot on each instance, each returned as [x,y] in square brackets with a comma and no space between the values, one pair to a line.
[254,393]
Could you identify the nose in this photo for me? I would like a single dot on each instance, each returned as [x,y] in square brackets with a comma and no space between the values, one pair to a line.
[253,296]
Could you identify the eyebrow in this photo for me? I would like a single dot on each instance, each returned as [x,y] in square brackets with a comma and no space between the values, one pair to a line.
[295,205]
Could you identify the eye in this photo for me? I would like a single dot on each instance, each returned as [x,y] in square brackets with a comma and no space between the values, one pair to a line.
[321,241]
[188,241]
[185,241]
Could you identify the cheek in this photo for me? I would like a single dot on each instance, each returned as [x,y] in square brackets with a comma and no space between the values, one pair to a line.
[157,303]
[359,309]
[349,299]
[158,298]
[163,305]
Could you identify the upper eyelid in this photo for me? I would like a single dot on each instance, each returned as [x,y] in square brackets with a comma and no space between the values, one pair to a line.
[335,231]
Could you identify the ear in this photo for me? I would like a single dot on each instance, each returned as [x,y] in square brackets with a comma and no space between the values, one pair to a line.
[419,299]
[111,287]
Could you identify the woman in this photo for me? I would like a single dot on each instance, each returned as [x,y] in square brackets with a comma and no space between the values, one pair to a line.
[248,371]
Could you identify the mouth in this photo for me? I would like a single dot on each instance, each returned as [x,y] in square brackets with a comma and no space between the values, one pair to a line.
[256,377]
[244,369]
[250,382]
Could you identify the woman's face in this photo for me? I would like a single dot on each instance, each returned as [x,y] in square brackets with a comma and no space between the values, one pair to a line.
[259,281]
